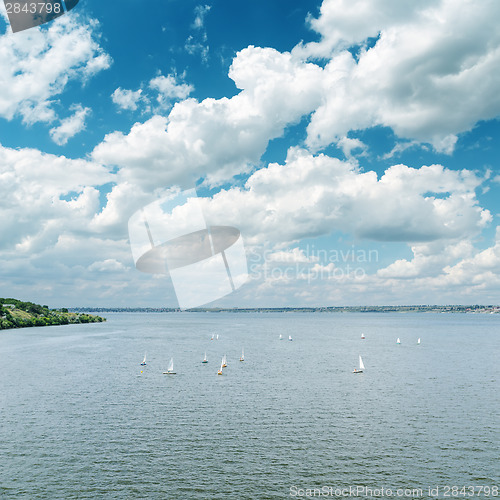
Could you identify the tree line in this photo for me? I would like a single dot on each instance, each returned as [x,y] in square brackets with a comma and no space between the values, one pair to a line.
[16,313]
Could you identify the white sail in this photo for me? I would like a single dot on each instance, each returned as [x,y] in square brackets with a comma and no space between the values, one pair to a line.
[242,355]
[361,365]
[281,337]
[205,358]
[144,360]
[171,365]
[398,341]
[418,341]
[290,337]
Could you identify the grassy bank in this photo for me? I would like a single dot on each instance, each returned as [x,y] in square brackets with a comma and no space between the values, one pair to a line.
[18,314]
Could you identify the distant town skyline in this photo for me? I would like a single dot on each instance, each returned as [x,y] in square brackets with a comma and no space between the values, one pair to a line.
[354,145]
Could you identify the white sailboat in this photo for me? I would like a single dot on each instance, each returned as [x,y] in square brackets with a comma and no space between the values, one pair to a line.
[219,372]
[170,370]
[290,337]
[362,335]
[205,360]
[281,337]
[418,341]
[361,367]
[242,358]
[217,337]
[398,341]
[144,361]
[212,337]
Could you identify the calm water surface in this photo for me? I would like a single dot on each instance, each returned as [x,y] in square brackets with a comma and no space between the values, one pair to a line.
[78,419]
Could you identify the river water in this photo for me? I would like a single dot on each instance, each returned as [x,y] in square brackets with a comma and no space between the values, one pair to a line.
[80,418]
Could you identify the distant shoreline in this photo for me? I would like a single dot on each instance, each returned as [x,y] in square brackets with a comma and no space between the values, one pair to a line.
[474,309]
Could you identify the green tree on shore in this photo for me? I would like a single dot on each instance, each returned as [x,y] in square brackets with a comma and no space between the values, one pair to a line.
[19,314]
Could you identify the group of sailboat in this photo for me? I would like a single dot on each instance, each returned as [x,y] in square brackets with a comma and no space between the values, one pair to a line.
[223,363]
[361,364]
[398,340]
[170,369]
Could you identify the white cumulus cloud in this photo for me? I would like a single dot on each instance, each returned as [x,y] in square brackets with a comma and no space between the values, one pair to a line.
[42,194]
[169,89]
[70,126]
[126,99]
[431,74]
[37,64]
[311,195]
[217,138]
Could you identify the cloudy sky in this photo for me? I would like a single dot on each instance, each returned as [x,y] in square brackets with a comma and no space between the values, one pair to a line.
[354,143]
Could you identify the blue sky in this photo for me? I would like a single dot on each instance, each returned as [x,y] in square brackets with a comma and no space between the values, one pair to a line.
[353,144]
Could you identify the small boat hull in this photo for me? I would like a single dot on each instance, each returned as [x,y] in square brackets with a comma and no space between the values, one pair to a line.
[204,361]
[357,371]
[169,373]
